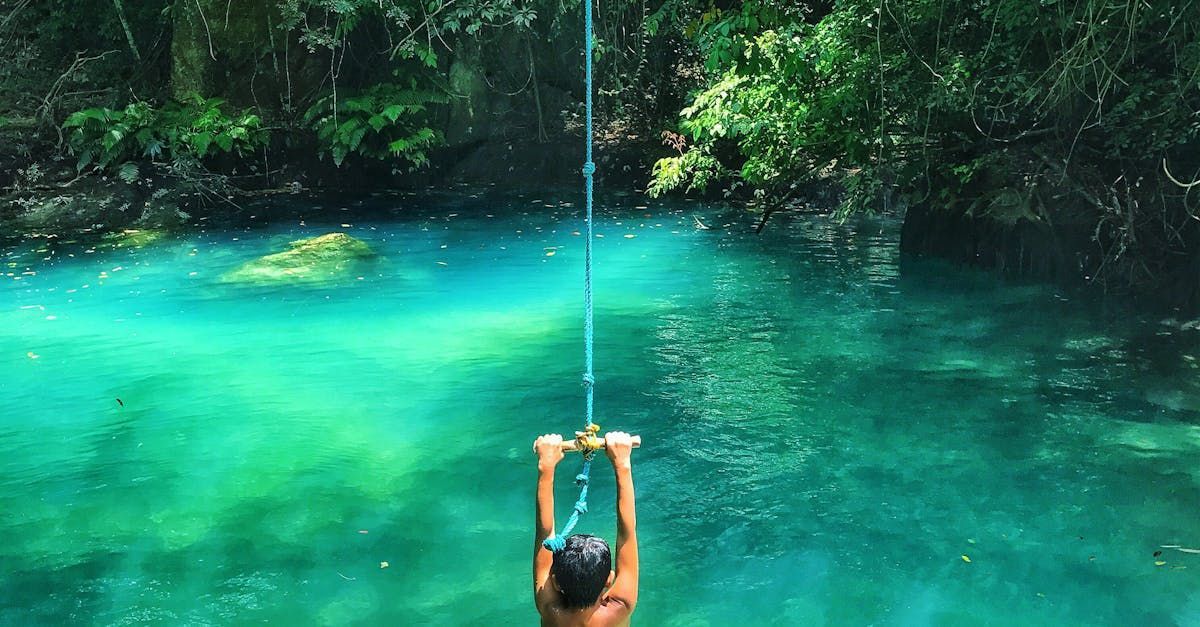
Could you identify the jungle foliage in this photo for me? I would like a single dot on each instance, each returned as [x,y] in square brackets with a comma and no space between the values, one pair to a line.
[377,123]
[104,137]
[346,79]
[1054,112]
[1079,117]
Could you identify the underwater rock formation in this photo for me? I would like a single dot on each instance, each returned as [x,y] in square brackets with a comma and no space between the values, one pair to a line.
[314,259]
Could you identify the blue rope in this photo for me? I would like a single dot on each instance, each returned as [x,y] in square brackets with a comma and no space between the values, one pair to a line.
[557,541]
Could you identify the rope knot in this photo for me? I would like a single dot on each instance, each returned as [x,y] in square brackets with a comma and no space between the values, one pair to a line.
[588,379]
[555,543]
[580,507]
[581,479]
[589,168]
[587,443]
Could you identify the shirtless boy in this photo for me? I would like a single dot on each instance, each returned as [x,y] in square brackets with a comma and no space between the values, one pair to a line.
[577,586]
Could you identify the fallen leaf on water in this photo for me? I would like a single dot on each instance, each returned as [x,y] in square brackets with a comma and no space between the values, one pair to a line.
[966,559]
[1160,563]
[383,564]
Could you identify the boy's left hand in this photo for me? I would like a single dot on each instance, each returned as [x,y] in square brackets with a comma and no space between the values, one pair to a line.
[549,450]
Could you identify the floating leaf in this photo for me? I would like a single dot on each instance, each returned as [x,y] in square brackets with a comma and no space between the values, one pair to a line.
[966,559]
[383,564]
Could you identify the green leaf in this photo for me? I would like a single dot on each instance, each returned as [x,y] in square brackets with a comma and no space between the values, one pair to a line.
[348,127]
[224,141]
[153,148]
[429,57]
[128,172]
[112,138]
[391,112]
[200,143]
[85,159]
[354,141]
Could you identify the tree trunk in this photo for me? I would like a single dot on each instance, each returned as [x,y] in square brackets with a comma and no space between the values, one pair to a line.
[226,49]
[128,31]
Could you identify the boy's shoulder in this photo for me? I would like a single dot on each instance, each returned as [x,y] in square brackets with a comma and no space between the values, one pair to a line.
[611,612]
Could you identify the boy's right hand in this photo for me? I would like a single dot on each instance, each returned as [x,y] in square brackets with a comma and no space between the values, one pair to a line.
[618,445]
[549,450]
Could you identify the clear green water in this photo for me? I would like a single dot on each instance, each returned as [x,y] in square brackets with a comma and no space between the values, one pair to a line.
[826,437]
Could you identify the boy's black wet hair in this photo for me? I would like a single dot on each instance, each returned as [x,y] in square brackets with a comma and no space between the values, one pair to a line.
[581,569]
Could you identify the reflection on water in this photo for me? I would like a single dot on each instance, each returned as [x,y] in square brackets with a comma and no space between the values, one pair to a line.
[828,440]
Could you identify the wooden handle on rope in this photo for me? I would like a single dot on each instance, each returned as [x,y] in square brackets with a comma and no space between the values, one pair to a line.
[571,446]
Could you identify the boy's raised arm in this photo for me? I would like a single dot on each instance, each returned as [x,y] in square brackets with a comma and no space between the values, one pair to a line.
[618,446]
[549,452]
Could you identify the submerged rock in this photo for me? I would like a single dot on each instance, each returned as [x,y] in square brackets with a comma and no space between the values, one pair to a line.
[134,238]
[315,259]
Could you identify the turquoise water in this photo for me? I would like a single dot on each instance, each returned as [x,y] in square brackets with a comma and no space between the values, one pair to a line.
[827,437]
